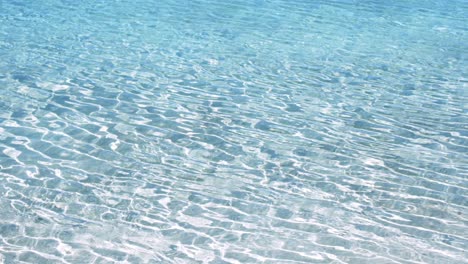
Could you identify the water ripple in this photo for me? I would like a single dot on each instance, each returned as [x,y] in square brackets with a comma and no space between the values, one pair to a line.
[241,132]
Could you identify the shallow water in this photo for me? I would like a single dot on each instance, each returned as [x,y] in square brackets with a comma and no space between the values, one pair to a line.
[239,132]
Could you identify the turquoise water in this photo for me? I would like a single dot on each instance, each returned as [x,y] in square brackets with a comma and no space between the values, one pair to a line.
[233,131]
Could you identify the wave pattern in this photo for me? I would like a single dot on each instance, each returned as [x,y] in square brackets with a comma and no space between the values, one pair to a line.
[241,132]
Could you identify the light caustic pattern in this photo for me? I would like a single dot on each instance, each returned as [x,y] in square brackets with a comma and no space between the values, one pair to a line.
[233,131]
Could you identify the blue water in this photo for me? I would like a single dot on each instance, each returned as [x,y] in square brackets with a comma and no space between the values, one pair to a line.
[262,131]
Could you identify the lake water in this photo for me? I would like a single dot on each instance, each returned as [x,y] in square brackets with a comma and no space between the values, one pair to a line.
[262,131]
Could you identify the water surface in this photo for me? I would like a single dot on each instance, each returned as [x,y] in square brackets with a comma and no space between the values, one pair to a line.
[233,131]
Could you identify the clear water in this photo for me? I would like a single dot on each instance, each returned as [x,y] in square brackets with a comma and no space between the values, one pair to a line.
[233,131]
